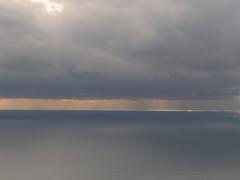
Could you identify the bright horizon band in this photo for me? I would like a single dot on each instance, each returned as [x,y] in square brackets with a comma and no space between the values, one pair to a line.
[117,104]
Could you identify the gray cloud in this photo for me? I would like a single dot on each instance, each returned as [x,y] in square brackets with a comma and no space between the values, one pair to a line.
[120,49]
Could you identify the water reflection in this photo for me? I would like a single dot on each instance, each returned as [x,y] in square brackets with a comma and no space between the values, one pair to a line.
[119,145]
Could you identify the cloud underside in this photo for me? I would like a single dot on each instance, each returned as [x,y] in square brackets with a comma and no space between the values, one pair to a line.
[166,49]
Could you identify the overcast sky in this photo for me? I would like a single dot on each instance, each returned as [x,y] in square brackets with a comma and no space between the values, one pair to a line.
[115,49]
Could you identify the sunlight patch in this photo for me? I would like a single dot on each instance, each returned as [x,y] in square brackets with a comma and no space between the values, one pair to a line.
[50,6]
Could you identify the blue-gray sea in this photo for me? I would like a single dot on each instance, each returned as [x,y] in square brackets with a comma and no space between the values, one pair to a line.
[91,145]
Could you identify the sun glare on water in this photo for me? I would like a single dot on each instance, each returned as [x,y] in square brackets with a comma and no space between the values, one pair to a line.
[50,6]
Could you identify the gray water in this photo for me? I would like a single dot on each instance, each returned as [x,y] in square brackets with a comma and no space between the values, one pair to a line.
[65,145]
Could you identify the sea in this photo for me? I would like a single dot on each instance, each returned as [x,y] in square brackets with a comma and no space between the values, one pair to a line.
[101,145]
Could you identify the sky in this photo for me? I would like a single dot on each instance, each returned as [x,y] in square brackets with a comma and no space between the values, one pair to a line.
[119,54]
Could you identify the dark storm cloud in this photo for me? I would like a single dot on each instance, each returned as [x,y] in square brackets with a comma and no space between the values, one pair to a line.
[120,49]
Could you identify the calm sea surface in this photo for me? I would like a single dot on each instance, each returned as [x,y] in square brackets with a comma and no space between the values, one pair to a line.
[71,145]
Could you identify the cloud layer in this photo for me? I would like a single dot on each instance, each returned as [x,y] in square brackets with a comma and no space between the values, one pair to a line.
[169,49]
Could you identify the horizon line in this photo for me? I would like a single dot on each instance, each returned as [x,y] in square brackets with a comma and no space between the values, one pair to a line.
[122,110]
